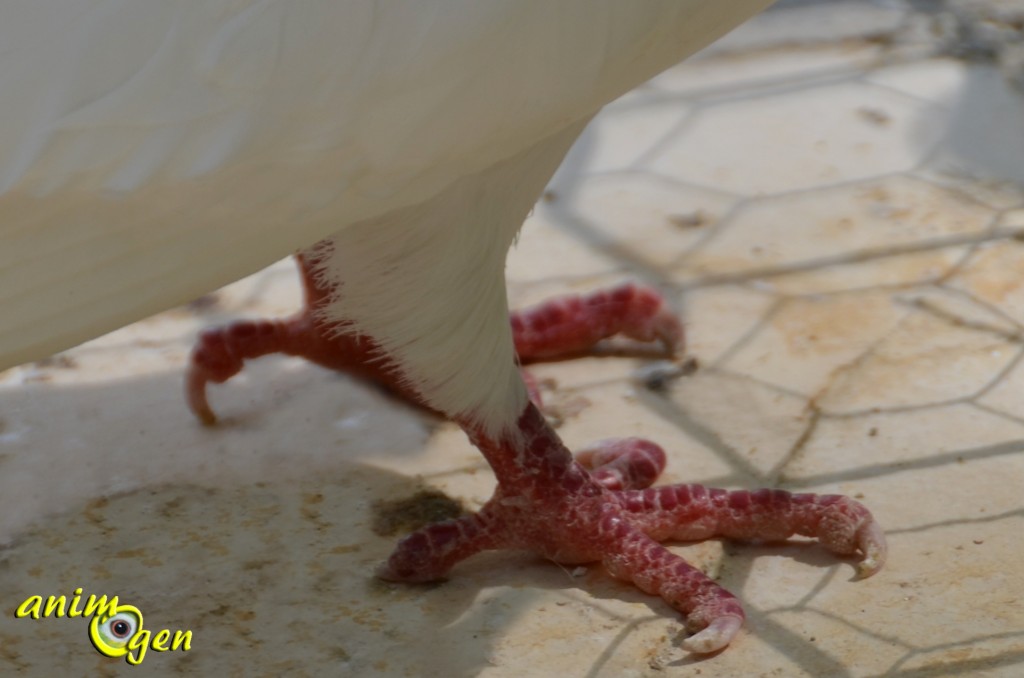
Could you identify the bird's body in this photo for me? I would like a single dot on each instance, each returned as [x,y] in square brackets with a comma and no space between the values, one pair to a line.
[152,150]
[143,139]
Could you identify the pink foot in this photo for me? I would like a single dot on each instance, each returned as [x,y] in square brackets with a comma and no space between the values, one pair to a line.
[599,508]
[573,324]
[548,503]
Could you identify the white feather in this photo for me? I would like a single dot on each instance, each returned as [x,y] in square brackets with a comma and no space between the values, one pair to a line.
[152,150]
[445,326]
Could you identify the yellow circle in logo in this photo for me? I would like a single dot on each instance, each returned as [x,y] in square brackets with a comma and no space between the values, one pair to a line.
[111,633]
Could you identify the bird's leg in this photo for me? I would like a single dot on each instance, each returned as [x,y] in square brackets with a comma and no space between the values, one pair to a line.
[563,326]
[548,503]
[599,507]
[220,353]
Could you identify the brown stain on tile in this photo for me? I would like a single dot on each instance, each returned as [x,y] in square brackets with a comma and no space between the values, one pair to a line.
[827,326]
[209,542]
[218,611]
[994,274]
[346,548]
[315,568]
[884,374]
[7,643]
[312,514]
[173,508]
[92,510]
[130,553]
[408,514]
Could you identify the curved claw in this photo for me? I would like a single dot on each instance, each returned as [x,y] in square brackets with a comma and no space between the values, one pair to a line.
[714,636]
[220,354]
[871,542]
[668,331]
[216,358]
[195,397]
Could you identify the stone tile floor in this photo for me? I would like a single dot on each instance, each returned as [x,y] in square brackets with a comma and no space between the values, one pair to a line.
[832,201]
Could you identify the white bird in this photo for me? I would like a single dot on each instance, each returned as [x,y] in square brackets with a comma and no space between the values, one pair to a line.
[153,150]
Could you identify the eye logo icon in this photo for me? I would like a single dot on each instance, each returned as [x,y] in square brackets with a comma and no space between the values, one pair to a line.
[115,630]
[111,633]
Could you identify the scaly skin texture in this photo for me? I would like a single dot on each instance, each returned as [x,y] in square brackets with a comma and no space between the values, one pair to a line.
[599,506]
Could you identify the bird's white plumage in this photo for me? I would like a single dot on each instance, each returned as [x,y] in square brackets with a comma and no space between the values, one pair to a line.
[151,150]
[446,327]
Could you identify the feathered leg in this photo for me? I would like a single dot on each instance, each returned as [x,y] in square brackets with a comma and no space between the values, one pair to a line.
[426,283]
[561,327]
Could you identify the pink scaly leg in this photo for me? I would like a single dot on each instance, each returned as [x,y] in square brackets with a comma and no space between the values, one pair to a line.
[220,353]
[599,508]
[550,504]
